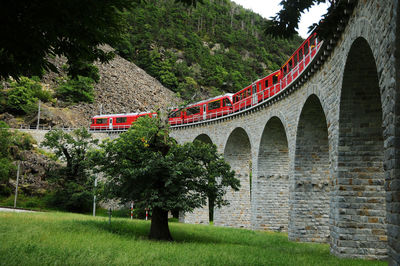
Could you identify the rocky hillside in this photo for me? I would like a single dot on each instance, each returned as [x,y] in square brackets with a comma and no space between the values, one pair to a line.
[123,87]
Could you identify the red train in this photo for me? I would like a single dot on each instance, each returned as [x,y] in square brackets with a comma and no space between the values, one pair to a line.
[116,121]
[204,110]
[226,104]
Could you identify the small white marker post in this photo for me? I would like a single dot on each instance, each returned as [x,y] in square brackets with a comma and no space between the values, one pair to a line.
[16,187]
[94,198]
[131,209]
[38,118]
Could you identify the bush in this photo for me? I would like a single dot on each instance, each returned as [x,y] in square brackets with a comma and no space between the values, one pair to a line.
[72,198]
[76,90]
[24,95]
[23,140]
[84,69]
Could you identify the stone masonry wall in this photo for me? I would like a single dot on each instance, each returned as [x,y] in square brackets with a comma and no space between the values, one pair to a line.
[310,185]
[272,201]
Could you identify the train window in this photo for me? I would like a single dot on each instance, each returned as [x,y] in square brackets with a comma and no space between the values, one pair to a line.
[193,110]
[93,121]
[306,48]
[259,86]
[312,41]
[101,121]
[121,120]
[175,114]
[227,102]
[274,79]
[214,105]
[290,64]
[295,59]
[300,54]
[248,92]
[266,83]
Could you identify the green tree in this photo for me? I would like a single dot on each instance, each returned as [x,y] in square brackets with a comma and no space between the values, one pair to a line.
[5,158]
[146,165]
[73,181]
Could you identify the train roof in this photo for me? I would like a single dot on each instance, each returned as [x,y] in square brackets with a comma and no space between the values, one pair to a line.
[126,114]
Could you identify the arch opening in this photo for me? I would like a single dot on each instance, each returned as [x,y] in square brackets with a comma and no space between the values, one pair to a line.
[210,207]
[204,138]
[310,185]
[271,184]
[360,211]
[237,153]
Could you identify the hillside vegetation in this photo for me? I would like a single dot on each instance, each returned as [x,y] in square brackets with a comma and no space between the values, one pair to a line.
[215,47]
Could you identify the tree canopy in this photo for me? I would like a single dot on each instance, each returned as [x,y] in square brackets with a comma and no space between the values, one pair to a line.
[35,30]
[147,166]
[286,21]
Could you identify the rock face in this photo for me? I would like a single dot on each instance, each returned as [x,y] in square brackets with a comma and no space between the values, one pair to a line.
[32,174]
[124,88]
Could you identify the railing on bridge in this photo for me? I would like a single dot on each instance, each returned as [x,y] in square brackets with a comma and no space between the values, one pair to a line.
[269,93]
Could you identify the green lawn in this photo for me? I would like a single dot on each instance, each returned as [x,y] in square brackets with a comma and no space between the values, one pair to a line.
[72,239]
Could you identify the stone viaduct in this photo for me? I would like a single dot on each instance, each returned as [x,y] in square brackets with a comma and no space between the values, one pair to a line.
[322,161]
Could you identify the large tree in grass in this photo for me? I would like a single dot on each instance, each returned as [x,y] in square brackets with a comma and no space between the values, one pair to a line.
[148,166]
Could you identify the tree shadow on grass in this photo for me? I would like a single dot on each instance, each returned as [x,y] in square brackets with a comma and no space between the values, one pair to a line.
[181,235]
[125,229]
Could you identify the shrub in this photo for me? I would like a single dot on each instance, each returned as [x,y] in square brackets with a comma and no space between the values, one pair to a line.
[24,94]
[76,90]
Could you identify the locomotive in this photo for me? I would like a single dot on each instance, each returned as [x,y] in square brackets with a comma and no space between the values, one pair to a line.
[257,92]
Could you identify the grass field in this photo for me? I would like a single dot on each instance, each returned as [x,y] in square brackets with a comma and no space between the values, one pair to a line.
[72,239]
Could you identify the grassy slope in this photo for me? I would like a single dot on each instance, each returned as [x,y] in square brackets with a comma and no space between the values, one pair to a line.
[61,238]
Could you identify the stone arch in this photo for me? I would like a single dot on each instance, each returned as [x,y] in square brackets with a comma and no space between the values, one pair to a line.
[359,212]
[309,186]
[237,153]
[204,138]
[207,212]
[271,183]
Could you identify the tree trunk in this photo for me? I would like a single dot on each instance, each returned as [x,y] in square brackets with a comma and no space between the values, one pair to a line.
[159,229]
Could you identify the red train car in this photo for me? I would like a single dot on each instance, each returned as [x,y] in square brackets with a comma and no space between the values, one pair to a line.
[116,121]
[257,92]
[207,109]
[299,60]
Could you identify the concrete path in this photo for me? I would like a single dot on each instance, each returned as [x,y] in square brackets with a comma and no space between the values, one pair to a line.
[13,210]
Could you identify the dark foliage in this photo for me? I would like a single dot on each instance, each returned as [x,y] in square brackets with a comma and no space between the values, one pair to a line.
[33,30]
[285,23]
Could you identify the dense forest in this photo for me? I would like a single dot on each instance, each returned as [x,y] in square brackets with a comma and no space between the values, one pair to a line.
[202,51]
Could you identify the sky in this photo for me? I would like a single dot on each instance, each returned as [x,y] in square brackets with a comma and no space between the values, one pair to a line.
[269,8]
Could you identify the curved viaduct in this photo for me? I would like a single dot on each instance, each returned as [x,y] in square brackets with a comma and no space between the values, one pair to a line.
[322,161]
